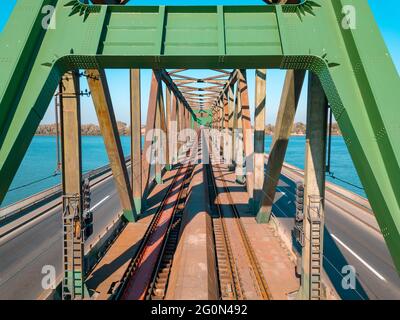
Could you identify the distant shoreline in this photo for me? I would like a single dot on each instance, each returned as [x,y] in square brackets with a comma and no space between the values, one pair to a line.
[298,129]
[127,135]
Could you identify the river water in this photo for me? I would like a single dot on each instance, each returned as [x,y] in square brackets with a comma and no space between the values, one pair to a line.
[40,163]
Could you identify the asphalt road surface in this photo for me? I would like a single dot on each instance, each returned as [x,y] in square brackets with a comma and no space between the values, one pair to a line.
[26,250]
[351,237]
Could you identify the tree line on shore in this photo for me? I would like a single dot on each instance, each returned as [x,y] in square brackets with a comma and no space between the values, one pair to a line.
[86,129]
[298,128]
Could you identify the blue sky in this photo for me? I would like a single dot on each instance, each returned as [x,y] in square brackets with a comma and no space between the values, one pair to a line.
[387,19]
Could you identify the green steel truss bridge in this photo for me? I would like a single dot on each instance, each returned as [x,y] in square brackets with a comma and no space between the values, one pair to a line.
[352,65]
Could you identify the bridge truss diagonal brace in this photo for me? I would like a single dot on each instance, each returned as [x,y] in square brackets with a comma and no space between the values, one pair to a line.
[284,121]
[108,126]
[154,153]
[150,125]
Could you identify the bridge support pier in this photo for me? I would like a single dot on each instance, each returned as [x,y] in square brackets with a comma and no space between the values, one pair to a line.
[314,191]
[283,125]
[108,126]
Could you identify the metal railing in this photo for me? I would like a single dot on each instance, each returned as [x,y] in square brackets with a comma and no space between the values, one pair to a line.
[46,196]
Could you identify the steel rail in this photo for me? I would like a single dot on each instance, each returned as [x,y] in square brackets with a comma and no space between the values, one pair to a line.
[136,260]
[175,223]
[262,284]
[233,274]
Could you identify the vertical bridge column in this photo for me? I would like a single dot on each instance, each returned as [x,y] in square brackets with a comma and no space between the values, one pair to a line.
[239,152]
[157,135]
[73,236]
[136,139]
[187,118]
[234,125]
[221,124]
[247,134]
[168,153]
[173,131]
[162,138]
[216,114]
[231,129]
[314,190]
[181,126]
[221,116]
[108,126]
[226,149]
[150,124]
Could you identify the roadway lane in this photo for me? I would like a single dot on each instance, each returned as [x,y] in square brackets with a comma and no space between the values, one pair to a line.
[350,238]
[27,250]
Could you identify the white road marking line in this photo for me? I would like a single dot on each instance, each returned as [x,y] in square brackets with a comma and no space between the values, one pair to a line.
[359,258]
[99,203]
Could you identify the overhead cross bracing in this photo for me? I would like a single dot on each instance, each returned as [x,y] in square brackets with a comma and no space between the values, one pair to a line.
[200,92]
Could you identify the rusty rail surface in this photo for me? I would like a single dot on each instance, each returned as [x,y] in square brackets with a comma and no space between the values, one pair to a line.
[261,282]
[160,278]
[229,281]
[136,261]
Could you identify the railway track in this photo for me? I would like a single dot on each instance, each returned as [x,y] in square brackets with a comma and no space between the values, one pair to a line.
[228,273]
[157,243]
[229,282]
[160,279]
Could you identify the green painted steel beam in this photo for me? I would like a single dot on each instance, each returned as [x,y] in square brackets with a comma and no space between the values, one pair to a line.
[203,117]
[354,66]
